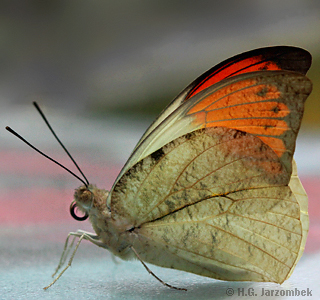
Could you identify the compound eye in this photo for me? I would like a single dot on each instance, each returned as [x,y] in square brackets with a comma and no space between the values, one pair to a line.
[73,209]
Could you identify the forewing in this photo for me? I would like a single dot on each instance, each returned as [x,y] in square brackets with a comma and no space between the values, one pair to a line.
[267,104]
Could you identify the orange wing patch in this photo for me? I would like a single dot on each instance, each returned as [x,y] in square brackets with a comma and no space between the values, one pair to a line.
[270,109]
[249,107]
[269,106]
[238,93]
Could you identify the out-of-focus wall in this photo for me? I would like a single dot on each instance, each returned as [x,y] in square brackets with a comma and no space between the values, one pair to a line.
[135,56]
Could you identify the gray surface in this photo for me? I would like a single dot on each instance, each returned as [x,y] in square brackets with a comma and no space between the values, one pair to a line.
[29,256]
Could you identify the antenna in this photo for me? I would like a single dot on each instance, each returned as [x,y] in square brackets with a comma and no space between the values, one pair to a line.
[54,134]
[85,181]
[45,155]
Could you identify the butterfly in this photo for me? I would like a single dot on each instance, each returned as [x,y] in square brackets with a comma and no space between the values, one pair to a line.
[212,188]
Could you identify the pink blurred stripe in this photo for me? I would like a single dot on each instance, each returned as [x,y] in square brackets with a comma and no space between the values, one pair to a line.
[32,205]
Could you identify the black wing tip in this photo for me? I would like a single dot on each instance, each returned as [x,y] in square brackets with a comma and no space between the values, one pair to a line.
[289,58]
[277,50]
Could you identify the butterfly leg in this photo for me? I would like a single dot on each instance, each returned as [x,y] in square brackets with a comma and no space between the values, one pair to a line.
[64,254]
[82,235]
[154,275]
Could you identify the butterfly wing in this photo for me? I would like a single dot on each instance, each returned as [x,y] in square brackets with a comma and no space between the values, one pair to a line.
[216,201]
[261,103]
[269,58]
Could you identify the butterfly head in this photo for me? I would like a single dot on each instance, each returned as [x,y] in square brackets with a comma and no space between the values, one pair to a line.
[89,200]
[92,203]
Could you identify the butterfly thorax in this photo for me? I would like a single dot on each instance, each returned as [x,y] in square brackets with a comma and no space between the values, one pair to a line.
[112,233]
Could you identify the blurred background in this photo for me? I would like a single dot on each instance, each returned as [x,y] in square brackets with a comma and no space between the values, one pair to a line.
[102,71]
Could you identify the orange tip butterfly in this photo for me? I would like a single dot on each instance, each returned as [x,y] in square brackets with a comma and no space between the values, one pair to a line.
[211,187]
